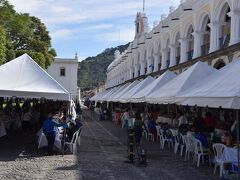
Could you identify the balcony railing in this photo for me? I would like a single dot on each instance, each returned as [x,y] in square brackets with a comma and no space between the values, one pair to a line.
[205,49]
[178,60]
[189,55]
[224,41]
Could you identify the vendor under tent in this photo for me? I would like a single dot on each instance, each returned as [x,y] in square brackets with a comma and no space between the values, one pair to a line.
[125,98]
[140,96]
[167,93]
[221,89]
[118,96]
[24,78]
[118,91]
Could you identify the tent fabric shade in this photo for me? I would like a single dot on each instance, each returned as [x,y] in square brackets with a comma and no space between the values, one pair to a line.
[167,93]
[118,96]
[127,96]
[153,86]
[24,78]
[221,89]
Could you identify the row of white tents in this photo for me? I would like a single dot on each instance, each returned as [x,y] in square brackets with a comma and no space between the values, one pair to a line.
[199,85]
[24,78]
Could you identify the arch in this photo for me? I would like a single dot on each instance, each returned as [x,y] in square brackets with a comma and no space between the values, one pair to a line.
[219,64]
[205,36]
[178,47]
[190,44]
[220,8]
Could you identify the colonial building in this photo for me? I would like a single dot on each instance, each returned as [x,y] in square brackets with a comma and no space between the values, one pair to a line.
[65,72]
[198,30]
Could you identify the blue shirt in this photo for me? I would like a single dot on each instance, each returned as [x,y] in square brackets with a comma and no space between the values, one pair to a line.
[202,139]
[49,124]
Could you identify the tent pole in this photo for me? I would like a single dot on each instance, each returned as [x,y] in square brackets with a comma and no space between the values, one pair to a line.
[237,118]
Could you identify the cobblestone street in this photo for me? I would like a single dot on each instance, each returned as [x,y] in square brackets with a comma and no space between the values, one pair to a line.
[101,155]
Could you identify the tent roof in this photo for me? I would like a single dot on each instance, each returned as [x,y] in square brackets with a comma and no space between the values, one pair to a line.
[222,88]
[23,77]
[125,90]
[117,91]
[125,98]
[110,91]
[167,93]
[94,98]
[153,86]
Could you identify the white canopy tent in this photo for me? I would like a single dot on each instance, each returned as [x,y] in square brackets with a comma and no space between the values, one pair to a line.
[126,97]
[222,88]
[96,96]
[167,93]
[24,78]
[118,91]
[106,98]
[153,86]
[125,90]
[103,97]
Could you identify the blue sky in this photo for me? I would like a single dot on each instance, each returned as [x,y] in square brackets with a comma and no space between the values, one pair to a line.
[90,26]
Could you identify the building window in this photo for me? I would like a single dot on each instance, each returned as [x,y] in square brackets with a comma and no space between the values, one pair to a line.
[62,71]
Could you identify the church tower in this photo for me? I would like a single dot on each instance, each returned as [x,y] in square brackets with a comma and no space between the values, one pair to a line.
[141,24]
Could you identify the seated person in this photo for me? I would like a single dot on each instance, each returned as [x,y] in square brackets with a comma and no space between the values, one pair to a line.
[78,123]
[202,138]
[182,119]
[152,127]
[70,131]
[227,140]
[209,122]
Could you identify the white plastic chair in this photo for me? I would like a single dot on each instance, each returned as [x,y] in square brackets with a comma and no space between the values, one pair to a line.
[79,136]
[182,143]
[189,146]
[158,134]
[176,140]
[218,150]
[199,152]
[163,139]
[72,145]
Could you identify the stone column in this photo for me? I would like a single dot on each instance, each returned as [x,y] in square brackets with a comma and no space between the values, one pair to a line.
[131,73]
[197,44]
[183,50]
[235,27]
[214,36]
[136,71]
[172,55]
[149,62]
[156,62]
[164,58]
[142,68]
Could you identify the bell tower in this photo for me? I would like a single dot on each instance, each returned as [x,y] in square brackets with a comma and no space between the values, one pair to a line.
[141,24]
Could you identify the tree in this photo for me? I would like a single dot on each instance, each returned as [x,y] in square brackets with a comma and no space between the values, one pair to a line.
[2,45]
[25,33]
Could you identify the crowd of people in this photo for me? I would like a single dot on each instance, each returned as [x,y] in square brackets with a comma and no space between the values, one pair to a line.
[33,115]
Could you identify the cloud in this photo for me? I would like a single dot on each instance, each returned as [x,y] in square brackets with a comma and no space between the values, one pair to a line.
[99,27]
[63,34]
[122,36]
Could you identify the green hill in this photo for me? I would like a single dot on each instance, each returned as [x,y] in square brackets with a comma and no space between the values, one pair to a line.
[92,70]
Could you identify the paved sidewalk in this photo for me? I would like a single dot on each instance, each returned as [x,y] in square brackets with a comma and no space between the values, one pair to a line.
[103,152]
[101,156]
